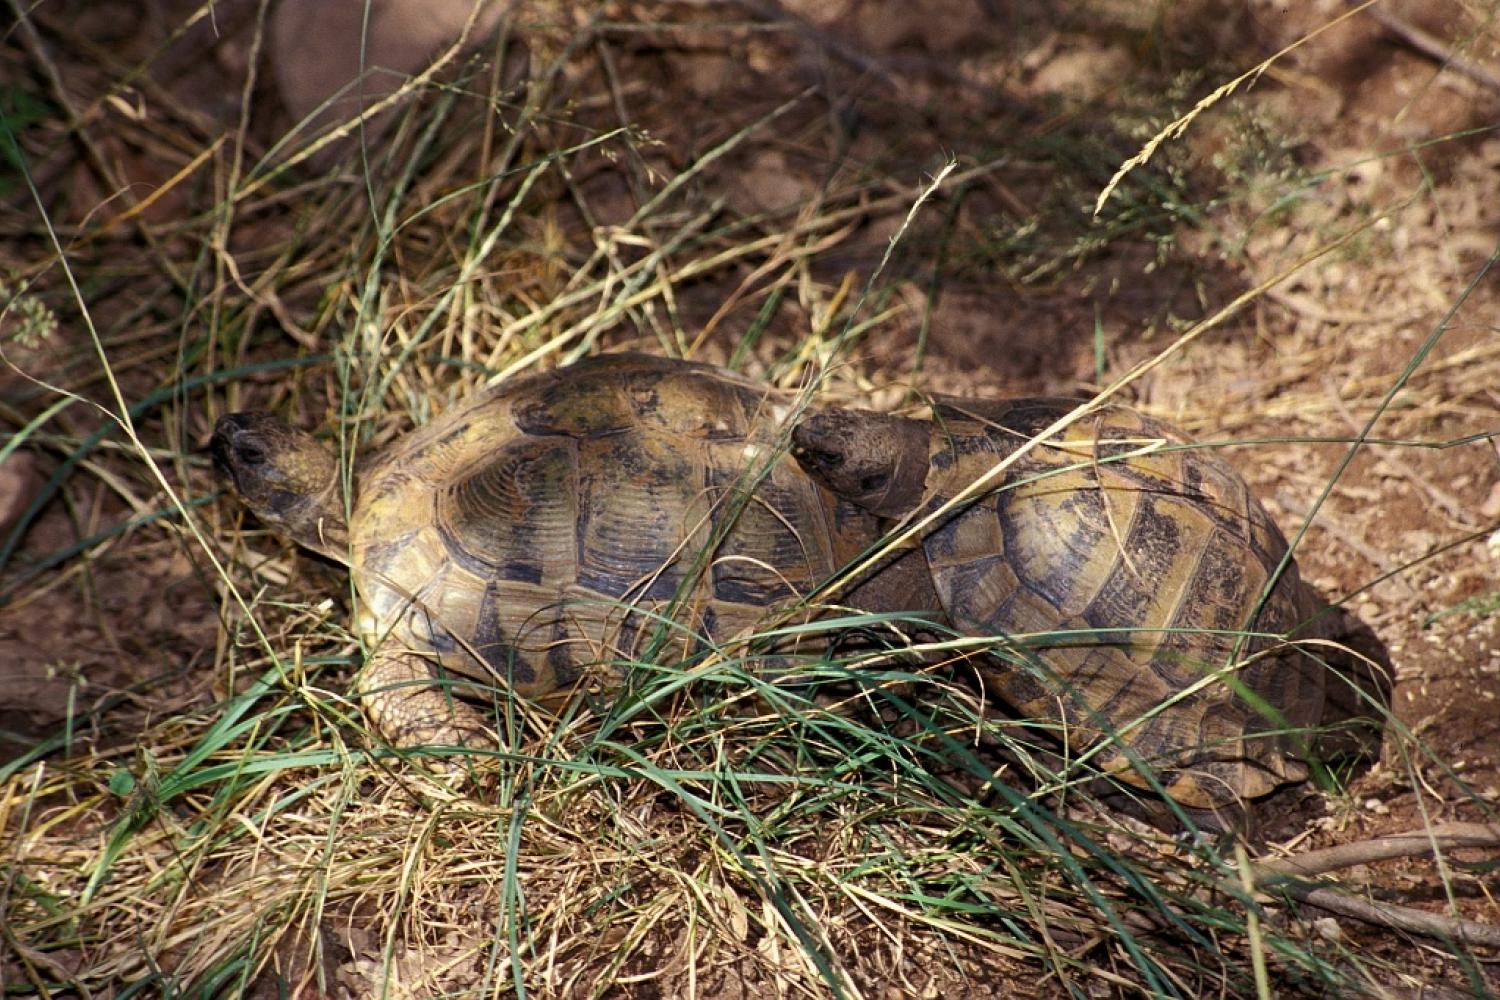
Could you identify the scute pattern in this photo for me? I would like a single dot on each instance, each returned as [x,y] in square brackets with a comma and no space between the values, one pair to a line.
[530,536]
[513,516]
[772,555]
[1169,543]
[637,493]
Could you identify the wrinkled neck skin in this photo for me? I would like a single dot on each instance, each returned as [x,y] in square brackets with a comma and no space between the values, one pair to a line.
[908,486]
[899,581]
[320,524]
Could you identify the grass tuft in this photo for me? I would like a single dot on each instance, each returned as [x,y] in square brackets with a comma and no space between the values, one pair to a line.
[211,814]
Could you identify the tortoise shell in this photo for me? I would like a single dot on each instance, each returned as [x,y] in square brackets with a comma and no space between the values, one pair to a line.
[1129,576]
[542,532]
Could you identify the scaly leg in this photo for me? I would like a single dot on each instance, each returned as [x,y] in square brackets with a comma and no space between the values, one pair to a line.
[410,708]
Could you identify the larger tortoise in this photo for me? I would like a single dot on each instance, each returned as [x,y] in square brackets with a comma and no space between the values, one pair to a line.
[543,531]
[1143,562]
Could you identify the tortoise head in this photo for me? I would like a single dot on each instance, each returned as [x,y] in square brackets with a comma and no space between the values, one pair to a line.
[288,479]
[876,460]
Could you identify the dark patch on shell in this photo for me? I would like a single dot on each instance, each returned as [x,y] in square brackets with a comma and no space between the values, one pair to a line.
[495,647]
[510,519]
[1152,542]
[425,626]
[565,671]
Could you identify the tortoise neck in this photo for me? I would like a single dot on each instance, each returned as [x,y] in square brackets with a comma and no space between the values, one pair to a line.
[321,522]
[899,580]
[911,451]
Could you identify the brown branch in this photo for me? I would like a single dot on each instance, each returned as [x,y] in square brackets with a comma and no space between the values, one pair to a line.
[1448,837]
[1281,874]
[1434,48]
[1401,918]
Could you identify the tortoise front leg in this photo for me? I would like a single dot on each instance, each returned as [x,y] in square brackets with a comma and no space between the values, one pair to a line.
[410,708]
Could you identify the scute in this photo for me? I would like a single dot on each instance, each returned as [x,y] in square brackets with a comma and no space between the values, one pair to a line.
[573,409]
[1057,541]
[638,500]
[533,536]
[695,404]
[514,516]
[1147,583]
[1156,554]
[770,557]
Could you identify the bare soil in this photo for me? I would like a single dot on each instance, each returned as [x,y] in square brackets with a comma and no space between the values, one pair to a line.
[1360,123]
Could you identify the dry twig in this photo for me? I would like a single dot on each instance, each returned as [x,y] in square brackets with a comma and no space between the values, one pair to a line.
[1284,875]
[1434,47]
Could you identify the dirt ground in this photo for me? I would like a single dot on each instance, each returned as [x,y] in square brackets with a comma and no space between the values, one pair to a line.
[1376,133]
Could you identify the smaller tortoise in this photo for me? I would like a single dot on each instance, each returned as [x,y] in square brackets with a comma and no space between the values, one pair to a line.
[1149,556]
[537,535]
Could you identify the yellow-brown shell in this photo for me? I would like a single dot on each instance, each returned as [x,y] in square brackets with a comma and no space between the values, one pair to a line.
[1144,576]
[535,534]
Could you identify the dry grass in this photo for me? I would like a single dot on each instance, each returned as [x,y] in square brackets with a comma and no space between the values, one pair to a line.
[213,810]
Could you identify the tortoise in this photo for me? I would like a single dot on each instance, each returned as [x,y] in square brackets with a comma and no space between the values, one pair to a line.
[1145,561]
[538,533]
